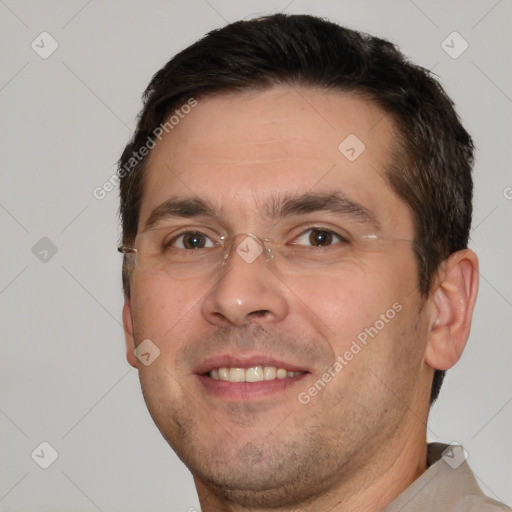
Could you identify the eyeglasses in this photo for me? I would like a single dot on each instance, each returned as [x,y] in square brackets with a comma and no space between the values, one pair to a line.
[196,252]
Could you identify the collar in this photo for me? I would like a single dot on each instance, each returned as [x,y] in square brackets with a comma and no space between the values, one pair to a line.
[446,483]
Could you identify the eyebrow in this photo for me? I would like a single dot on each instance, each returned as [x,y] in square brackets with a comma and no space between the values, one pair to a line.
[334,202]
[277,208]
[180,207]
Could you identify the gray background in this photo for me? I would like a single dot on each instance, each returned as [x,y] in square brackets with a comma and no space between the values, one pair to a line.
[64,378]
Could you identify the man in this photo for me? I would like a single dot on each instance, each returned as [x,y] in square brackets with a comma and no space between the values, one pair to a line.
[296,205]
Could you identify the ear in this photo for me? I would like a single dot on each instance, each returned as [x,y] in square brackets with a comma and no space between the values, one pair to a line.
[452,303]
[128,332]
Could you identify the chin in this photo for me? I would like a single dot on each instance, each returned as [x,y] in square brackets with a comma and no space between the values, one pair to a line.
[257,474]
[262,485]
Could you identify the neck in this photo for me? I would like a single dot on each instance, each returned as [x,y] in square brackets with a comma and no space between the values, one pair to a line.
[369,489]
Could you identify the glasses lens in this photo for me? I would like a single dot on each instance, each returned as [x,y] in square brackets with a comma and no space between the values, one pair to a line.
[180,253]
[198,252]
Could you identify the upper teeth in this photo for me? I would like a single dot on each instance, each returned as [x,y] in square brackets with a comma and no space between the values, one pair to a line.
[253,374]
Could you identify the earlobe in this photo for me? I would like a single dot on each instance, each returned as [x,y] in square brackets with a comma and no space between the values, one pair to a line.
[452,300]
[128,332]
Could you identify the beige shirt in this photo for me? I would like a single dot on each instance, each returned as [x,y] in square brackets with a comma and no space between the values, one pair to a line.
[448,485]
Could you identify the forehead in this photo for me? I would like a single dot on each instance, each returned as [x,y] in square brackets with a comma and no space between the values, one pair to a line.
[240,150]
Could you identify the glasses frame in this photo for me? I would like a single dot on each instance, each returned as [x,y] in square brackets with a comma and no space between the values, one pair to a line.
[227,243]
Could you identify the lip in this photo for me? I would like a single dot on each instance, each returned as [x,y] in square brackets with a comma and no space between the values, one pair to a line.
[245,361]
[246,391]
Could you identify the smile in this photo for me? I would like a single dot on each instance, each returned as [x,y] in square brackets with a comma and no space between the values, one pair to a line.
[252,374]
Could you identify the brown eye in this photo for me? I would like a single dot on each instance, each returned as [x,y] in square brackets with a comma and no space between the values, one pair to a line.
[320,237]
[192,240]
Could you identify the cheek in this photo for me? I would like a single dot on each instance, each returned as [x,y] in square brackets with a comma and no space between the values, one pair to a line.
[364,302]
[161,308]
[161,312]
[353,295]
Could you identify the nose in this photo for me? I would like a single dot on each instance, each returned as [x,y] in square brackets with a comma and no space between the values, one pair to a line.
[247,291]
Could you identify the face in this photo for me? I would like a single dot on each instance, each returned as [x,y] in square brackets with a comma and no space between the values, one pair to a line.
[345,322]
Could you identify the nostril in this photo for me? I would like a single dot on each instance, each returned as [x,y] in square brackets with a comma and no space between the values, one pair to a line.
[259,313]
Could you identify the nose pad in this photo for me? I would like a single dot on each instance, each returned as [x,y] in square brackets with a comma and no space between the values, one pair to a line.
[247,246]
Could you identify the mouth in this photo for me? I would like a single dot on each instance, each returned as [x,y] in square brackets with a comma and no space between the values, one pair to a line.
[252,374]
[247,379]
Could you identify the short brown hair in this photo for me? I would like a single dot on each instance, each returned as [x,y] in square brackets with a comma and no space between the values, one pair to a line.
[434,155]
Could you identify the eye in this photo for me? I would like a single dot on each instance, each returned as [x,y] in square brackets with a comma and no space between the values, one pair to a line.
[191,240]
[318,237]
